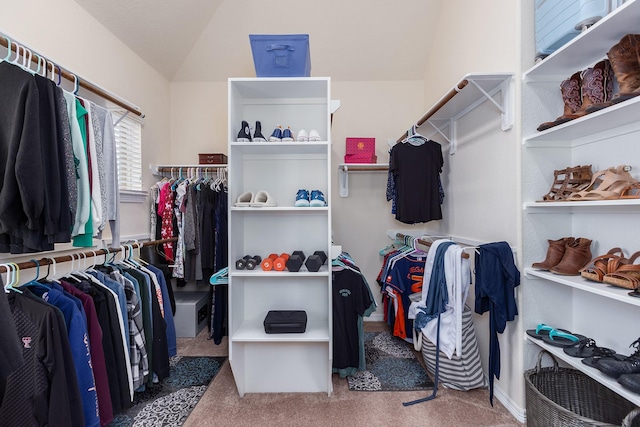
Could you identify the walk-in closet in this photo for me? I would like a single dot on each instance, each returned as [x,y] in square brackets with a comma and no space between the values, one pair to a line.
[221,213]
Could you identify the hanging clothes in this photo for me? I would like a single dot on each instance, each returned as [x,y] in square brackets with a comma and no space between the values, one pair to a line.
[195,211]
[59,179]
[414,177]
[400,276]
[10,348]
[496,279]
[52,397]
[454,272]
[352,300]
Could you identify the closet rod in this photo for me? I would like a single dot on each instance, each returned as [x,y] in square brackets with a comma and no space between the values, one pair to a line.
[453,92]
[170,169]
[73,77]
[401,236]
[71,257]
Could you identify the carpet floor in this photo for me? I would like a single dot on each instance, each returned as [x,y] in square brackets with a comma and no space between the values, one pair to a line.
[391,365]
[221,405]
[169,402]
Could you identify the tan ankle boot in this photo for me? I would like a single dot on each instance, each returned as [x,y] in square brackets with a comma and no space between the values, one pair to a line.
[555,252]
[576,255]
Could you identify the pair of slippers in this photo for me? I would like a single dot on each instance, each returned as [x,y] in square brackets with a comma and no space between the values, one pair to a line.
[556,337]
[260,199]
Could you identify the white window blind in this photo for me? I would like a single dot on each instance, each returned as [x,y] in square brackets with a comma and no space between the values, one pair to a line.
[128,135]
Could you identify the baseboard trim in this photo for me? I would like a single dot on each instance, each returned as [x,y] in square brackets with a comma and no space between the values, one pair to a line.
[519,413]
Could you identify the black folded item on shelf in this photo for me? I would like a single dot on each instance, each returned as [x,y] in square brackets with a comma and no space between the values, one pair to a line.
[285,322]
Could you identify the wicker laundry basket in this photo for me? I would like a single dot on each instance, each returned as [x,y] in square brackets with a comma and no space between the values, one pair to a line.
[559,396]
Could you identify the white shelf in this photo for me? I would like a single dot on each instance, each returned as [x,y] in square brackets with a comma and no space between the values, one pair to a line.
[253,331]
[620,118]
[258,272]
[576,363]
[577,282]
[630,205]
[281,209]
[275,148]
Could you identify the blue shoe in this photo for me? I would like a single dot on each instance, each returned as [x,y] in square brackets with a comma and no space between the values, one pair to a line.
[276,136]
[287,135]
[302,198]
[317,199]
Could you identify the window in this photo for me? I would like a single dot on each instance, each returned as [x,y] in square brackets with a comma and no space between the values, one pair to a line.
[128,135]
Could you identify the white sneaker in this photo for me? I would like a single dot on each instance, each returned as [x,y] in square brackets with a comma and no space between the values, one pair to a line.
[302,136]
[314,136]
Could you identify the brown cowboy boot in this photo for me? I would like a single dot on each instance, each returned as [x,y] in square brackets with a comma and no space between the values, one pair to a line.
[596,86]
[555,252]
[625,61]
[572,98]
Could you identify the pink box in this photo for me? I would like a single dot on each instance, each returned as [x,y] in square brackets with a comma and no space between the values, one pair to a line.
[361,146]
[360,158]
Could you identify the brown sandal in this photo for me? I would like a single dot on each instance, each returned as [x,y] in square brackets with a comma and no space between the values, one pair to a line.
[608,184]
[625,275]
[601,265]
[568,181]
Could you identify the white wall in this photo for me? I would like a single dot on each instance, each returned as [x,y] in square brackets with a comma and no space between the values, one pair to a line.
[482,180]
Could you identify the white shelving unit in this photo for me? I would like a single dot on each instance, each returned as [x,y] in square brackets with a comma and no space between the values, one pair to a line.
[602,139]
[261,362]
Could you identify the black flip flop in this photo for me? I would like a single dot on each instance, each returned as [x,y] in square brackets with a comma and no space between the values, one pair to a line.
[559,338]
[588,348]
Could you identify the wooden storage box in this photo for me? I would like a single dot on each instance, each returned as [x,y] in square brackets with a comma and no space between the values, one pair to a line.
[212,159]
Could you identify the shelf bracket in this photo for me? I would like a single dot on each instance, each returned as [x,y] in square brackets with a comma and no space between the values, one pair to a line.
[343,177]
[505,109]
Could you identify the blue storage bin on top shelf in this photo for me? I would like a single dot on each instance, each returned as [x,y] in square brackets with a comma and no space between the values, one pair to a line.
[281,55]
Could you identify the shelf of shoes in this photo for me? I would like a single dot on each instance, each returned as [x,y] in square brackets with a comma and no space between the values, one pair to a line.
[576,362]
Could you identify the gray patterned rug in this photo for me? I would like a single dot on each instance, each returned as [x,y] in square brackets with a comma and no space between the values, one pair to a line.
[391,366]
[169,403]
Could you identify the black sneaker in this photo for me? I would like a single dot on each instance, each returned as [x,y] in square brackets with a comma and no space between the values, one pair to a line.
[245,133]
[257,135]
[614,368]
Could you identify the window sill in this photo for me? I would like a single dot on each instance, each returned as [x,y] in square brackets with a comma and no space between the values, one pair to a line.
[130,196]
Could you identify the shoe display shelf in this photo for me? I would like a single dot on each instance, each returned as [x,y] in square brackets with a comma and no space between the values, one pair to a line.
[293,362]
[605,138]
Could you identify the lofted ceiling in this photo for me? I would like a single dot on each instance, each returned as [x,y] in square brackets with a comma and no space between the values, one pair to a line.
[208,40]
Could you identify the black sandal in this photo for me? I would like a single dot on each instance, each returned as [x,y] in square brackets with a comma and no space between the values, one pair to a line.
[588,348]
